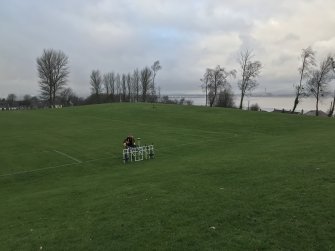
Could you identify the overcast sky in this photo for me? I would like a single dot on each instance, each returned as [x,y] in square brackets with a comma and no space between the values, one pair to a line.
[186,36]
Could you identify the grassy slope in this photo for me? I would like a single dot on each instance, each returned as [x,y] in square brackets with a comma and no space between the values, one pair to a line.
[264,181]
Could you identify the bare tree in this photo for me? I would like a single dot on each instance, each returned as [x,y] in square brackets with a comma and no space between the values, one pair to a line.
[226,98]
[11,98]
[96,83]
[66,95]
[155,68]
[136,84]
[128,81]
[332,103]
[118,86]
[332,106]
[250,70]
[319,81]
[205,81]
[109,84]
[53,72]
[111,78]
[106,83]
[26,100]
[26,97]
[307,61]
[217,81]
[124,86]
[146,80]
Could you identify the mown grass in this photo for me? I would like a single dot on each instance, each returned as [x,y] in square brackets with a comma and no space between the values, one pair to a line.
[222,180]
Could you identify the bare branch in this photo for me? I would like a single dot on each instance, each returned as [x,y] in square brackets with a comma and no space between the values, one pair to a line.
[96,83]
[319,80]
[250,70]
[214,81]
[53,73]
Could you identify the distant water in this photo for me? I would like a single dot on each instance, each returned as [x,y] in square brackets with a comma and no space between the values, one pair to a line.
[271,103]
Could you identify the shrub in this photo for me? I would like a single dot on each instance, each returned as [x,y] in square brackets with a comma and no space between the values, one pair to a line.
[226,98]
[254,107]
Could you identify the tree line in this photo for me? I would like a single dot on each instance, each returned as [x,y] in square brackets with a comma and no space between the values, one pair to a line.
[64,98]
[138,86]
[53,72]
[217,82]
[314,80]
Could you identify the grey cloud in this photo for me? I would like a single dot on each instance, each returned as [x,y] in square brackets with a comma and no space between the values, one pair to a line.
[186,36]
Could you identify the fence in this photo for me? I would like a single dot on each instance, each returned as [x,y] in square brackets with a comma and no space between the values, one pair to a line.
[138,153]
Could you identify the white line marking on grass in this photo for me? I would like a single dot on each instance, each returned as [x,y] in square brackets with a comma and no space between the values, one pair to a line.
[39,169]
[54,167]
[92,160]
[66,155]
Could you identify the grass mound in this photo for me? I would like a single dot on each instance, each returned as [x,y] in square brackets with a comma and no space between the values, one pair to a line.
[222,179]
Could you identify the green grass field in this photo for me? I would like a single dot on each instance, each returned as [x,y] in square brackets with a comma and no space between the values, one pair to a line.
[221,180]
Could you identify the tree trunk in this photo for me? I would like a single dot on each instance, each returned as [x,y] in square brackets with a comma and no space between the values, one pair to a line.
[331,109]
[206,94]
[50,98]
[54,98]
[241,102]
[211,101]
[332,106]
[296,102]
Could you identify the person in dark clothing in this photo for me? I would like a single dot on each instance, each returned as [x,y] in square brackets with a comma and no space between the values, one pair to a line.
[129,142]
